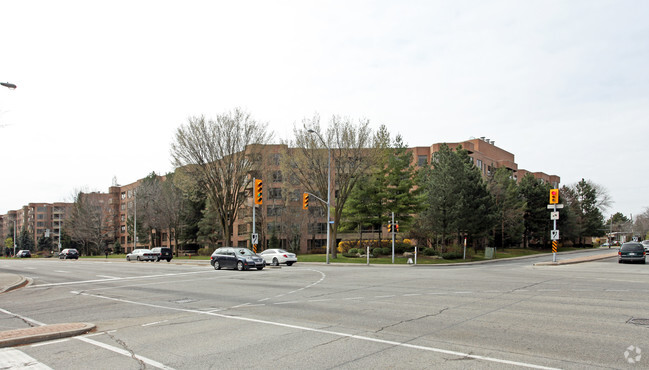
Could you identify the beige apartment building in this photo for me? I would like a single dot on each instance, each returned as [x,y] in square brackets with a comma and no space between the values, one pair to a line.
[38,219]
[280,216]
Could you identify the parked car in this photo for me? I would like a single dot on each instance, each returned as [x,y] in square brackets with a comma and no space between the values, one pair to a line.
[162,254]
[141,255]
[607,244]
[275,257]
[645,244]
[631,252]
[239,258]
[24,253]
[68,254]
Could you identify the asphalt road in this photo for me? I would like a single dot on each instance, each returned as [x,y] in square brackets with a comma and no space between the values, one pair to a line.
[507,314]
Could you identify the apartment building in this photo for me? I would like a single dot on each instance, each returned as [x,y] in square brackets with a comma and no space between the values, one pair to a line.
[486,156]
[279,217]
[38,219]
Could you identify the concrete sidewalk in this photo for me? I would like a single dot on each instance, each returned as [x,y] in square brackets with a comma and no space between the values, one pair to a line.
[578,259]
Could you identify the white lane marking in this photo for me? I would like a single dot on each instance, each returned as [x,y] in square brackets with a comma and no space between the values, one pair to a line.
[463,292]
[384,296]
[334,333]
[412,294]
[61,271]
[115,279]
[49,342]
[155,323]
[22,317]
[126,353]
[108,276]
[11,358]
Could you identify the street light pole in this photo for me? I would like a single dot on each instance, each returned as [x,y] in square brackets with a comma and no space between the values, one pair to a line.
[9,85]
[14,238]
[328,188]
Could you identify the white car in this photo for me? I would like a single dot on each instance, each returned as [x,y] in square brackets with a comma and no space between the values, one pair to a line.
[275,257]
[141,255]
[645,244]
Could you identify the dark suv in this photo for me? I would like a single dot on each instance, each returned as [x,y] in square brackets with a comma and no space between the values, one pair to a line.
[236,258]
[69,254]
[162,254]
[631,252]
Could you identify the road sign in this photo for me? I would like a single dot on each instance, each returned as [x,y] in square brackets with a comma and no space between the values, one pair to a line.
[554,215]
[557,206]
[554,234]
[255,239]
[554,246]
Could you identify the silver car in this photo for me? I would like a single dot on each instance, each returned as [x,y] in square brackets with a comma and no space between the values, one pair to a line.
[645,244]
[141,255]
[275,257]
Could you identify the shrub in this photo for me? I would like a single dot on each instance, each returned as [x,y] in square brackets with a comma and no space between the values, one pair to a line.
[387,251]
[453,255]
[377,251]
[206,251]
[352,251]
[430,252]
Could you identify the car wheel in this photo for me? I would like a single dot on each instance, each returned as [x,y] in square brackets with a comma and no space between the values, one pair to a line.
[275,262]
[240,266]
[260,268]
[128,258]
[138,258]
[217,265]
[619,261]
[168,260]
[289,263]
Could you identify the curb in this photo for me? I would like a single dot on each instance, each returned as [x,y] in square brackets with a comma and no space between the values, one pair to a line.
[11,338]
[19,283]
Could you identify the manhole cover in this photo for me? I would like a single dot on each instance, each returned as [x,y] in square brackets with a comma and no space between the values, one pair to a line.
[639,322]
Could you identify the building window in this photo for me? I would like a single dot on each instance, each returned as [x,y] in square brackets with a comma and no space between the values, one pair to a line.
[422,160]
[275,159]
[274,227]
[318,228]
[123,207]
[122,218]
[316,211]
[277,176]
[275,210]
[242,229]
[275,193]
[123,195]
[478,163]
[123,228]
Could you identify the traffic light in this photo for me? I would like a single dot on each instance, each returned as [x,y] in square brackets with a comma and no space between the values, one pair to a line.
[396,228]
[258,191]
[389,228]
[305,200]
[554,196]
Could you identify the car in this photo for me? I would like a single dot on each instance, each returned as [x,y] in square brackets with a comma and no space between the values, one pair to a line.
[162,254]
[141,254]
[68,254]
[24,253]
[645,244]
[236,258]
[631,252]
[607,244]
[275,257]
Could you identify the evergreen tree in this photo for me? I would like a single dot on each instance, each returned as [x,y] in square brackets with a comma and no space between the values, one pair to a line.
[536,219]
[509,207]
[584,200]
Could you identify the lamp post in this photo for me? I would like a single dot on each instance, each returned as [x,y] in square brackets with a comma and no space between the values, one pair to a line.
[9,85]
[14,238]
[328,187]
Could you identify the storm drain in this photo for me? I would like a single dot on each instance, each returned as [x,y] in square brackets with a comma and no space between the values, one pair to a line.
[637,321]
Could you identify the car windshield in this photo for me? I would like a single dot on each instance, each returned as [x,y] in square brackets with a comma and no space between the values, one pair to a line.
[244,252]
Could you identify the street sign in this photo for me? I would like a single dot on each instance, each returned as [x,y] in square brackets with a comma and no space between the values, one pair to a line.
[254,238]
[554,215]
[552,206]
[554,234]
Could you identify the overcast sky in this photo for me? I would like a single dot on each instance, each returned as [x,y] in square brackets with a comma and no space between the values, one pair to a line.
[102,86]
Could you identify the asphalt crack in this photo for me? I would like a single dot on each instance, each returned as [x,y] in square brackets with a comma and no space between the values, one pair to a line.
[412,319]
[125,347]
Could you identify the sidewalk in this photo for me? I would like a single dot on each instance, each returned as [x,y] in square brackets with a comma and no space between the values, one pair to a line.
[578,259]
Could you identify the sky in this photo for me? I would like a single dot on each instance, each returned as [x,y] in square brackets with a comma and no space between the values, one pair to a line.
[103,86]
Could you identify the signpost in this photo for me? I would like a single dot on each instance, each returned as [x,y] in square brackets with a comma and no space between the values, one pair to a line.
[554,216]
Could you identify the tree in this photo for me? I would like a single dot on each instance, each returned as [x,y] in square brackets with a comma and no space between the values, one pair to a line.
[509,207]
[351,145]
[220,154]
[92,222]
[642,224]
[457,200]
[586,201]
[536,220]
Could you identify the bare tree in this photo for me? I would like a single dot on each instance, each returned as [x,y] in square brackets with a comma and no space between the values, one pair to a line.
[220,154]
[351,146]
[92,221]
